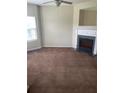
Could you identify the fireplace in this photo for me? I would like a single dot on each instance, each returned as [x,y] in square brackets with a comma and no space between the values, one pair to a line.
[85,44]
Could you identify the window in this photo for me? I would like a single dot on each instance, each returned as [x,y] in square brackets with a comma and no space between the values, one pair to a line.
[31,29]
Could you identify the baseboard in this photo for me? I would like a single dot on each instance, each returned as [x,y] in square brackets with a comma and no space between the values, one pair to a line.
[33,49]
[56,46]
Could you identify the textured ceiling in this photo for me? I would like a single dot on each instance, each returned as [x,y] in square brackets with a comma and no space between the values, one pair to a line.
[39,2]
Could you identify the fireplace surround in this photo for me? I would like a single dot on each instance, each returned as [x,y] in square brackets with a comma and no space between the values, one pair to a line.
[85,39]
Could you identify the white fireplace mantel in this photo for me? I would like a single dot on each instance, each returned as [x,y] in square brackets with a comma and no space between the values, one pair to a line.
[85,31]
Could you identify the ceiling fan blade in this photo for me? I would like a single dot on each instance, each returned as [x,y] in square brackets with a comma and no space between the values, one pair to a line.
[66,2]
[47,2]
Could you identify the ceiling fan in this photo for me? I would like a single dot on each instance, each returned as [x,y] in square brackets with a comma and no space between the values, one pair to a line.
[58,2]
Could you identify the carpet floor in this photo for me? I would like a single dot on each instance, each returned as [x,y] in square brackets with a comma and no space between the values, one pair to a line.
[61,70]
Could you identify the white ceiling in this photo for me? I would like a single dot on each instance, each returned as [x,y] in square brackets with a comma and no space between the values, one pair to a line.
[39,2]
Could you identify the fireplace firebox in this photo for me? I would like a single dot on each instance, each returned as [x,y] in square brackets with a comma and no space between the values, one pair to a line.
[85,44]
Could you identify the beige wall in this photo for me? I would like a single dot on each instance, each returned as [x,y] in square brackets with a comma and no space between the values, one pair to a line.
[78,7]
[56,24]
[87,18]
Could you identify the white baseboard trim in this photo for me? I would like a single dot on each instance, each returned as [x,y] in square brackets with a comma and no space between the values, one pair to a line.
[33,49]
[58,46]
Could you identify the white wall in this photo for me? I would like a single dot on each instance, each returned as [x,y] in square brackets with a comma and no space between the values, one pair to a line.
[57,24]
[33,10]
